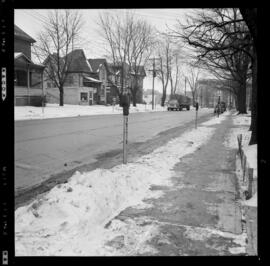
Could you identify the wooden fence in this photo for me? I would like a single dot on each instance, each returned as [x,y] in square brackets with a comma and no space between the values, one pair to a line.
[247,172]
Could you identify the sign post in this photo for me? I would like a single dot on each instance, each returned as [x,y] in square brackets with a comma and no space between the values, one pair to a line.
[196,118]
[124,101]
[125,138]
[43,95]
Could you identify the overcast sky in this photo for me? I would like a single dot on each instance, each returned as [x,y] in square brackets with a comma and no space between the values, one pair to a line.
[31,21]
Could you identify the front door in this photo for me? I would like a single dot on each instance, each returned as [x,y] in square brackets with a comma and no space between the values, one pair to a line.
[90,97]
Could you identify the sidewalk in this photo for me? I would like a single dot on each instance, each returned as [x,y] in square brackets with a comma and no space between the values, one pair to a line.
[180,199]
[198,216]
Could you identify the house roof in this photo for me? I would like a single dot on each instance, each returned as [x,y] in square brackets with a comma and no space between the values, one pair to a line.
[114,68]
[17,57]
[19,33]
[141,71]
[90,79]
[79,63]
[96,63]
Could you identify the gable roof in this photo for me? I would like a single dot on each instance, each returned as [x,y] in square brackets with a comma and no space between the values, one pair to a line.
[21,58]
[96,63]
[19,33]
[141,71]
[79,63]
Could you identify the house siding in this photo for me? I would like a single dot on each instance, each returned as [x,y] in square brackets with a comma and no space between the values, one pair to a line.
[71,95]
[21,46]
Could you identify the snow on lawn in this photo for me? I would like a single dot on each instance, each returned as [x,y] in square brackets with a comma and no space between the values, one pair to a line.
[242,124]
[54,110]
[70,219]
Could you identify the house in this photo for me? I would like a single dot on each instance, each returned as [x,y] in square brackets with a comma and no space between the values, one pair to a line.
[131,78]
[101,71]
[80,86]
[28,76]
[137,77]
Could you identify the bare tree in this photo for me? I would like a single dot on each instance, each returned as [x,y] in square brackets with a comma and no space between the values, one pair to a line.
[221,42]
[129,42]
[175,72]
[164,65]
[193,81]
[54,43]
[139,51]
[250,18]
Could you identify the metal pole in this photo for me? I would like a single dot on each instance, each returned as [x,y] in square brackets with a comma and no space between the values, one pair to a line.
[42,93]
[153,83]
[185,86]
[125,125]
[196,119]
[28,85]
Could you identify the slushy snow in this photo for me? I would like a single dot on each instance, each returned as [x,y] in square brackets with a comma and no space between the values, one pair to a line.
[68,110]
[70,219]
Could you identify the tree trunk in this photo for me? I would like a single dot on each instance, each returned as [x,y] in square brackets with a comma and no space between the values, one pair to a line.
[134,97]
[253,126]
[61,98]
[241,98]
[163,98]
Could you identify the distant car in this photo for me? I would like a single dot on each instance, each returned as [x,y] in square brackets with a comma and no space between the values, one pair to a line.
[173,105]
[221,107]
[178,102]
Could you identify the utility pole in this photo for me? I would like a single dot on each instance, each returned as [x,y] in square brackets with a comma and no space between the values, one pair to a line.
[153,92]
[154,75]
[201,97]
[185,86]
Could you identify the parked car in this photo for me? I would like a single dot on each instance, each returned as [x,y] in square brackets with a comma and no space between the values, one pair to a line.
[173,105]
[221,106]
[178,102]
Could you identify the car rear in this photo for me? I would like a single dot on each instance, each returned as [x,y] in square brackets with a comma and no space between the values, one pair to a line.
[173,105]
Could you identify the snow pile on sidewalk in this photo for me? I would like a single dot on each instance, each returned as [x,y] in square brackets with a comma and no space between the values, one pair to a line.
[251,154]
[70,219]
[241,126]
[242,123]
[54,110]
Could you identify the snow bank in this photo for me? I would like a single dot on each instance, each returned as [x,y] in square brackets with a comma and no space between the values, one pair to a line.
[252,201]
[241,126]
[242,119]
[54,110]
[251,155]
[70,219]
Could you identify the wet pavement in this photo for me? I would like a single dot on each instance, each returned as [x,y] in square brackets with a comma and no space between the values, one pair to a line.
[198,215]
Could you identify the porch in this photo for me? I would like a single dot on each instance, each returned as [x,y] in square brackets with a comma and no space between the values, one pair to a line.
[28,81]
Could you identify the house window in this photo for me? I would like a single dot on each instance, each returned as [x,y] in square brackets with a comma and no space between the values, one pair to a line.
[84,96]
[21,78]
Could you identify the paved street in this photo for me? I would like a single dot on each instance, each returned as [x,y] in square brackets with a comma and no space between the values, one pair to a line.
[44,148]
[198,215]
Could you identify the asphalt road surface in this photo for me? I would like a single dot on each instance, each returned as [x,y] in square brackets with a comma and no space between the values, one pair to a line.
[44,148]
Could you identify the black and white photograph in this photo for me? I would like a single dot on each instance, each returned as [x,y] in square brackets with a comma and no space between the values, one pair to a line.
[135,132]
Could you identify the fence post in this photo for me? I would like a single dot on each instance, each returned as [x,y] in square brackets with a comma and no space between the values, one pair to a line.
[239,138]
[250,181]
[244,167]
